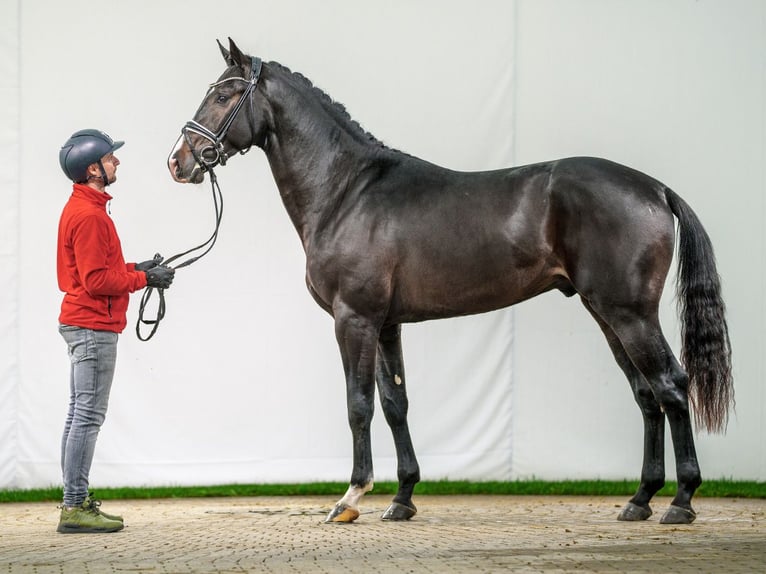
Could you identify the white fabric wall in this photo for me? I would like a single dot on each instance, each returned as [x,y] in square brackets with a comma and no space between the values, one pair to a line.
[9,233]
[676,89]
[243,383]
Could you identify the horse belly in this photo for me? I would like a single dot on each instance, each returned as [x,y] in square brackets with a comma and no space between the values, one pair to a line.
[472,253]
[430,286]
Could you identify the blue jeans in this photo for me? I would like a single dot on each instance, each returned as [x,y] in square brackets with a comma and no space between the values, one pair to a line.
[93,355]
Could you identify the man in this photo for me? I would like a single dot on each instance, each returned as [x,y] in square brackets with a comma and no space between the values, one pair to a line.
[96,283]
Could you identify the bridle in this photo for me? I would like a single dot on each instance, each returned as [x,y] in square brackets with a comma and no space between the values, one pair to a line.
[212,155]
[220,156]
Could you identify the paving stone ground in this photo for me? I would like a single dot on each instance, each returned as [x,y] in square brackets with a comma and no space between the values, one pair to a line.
[449,534]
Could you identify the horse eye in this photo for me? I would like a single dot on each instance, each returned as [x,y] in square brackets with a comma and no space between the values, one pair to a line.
[221,99]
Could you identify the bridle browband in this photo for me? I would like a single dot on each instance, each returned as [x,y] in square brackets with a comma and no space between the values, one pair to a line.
[216,141]
[219,155]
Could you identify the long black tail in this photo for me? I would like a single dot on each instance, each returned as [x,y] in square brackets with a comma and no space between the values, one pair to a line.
[706,349]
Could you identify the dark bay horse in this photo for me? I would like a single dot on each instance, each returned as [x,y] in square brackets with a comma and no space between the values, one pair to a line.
[390,239]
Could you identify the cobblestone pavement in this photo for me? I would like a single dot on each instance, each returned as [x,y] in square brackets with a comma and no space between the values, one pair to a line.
[449,534]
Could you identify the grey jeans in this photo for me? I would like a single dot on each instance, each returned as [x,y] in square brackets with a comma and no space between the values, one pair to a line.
[93,355]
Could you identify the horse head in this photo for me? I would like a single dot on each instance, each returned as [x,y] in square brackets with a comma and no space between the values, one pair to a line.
[228,120]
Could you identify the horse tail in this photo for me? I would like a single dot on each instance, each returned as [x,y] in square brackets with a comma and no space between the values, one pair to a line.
[706,349]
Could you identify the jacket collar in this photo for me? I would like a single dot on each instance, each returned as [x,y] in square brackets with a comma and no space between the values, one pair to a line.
[87,193]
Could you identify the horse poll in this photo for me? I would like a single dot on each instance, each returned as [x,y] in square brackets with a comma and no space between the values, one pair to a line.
[390,238]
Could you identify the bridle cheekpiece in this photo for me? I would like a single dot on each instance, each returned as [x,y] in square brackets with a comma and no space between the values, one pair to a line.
[212,155]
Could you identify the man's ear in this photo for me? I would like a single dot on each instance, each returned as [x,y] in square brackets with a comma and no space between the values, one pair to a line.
[94,170]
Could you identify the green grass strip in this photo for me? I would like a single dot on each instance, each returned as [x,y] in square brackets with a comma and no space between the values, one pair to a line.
[710,488]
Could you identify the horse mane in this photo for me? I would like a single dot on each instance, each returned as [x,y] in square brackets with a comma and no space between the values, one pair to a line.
[336,109]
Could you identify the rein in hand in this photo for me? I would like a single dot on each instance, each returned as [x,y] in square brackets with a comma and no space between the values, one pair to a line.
[205,247]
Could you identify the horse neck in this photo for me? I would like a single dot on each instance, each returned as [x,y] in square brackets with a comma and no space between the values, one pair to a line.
[314,156]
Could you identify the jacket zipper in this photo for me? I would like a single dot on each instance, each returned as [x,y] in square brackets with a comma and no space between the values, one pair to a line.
[109,306]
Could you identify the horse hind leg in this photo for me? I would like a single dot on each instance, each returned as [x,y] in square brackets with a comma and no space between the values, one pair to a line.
[653,468]
[645,345]
[393,399]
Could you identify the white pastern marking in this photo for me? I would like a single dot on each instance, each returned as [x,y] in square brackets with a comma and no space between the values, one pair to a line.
[354,494]
[397,379]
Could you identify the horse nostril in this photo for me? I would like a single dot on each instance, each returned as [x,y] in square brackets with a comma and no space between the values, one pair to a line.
[175,170]
[173,166]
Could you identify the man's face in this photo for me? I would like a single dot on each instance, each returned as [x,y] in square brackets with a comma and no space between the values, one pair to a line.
[110,163]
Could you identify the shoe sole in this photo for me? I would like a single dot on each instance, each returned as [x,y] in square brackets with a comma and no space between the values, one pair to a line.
[64,529]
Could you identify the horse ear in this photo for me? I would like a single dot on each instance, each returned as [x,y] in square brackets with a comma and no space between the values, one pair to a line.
[237,57]
[226,54]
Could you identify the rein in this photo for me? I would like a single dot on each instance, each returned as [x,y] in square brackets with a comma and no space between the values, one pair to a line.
[206,246]
[206,164]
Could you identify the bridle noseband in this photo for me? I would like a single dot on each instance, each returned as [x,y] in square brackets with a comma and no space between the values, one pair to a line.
[219,155]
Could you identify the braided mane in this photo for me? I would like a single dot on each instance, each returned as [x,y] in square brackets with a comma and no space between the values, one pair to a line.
[336,109]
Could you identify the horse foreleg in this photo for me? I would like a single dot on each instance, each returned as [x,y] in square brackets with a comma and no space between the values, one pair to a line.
[653,468]
[357,339]
[393,399]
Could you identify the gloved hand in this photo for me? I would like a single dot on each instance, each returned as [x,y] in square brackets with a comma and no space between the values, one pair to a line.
[152,263]
[160,277]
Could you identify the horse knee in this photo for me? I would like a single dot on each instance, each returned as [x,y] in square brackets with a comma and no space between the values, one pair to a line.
[360,412]
[395,409]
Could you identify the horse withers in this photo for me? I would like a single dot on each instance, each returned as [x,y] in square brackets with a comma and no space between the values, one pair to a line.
[390,238]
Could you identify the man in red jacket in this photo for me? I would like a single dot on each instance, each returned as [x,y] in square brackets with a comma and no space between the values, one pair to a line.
[96,283]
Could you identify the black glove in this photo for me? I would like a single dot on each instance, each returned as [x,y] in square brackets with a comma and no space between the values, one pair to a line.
[151,264]
[160,277]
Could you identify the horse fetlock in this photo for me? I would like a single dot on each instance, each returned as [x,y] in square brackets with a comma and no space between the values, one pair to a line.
[648,489]
[689,478]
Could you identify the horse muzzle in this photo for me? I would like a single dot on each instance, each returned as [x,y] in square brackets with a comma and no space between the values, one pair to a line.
[182,165]
[176,172]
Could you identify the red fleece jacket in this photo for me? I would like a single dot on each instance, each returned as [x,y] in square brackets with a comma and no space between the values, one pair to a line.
[92,271]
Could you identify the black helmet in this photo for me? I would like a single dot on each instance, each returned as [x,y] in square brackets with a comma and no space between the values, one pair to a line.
[82,149]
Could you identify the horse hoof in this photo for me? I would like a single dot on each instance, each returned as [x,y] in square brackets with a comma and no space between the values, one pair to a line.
[678,515]
[398,511]
[342,513]
[634,513]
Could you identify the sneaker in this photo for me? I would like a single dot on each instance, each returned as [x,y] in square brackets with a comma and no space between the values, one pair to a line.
[86,518]
[96,505]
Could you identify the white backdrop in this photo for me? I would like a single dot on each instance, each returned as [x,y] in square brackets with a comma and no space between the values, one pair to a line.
[243,382]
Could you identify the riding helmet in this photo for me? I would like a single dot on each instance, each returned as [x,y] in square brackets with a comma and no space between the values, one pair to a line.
[82,149]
